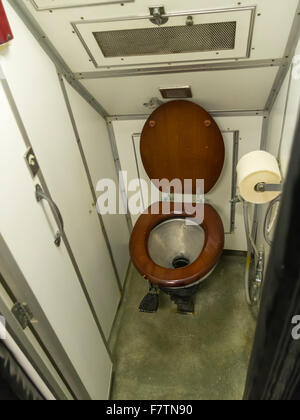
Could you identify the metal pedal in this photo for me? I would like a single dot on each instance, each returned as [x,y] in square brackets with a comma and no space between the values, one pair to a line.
[186,307]
[150,303]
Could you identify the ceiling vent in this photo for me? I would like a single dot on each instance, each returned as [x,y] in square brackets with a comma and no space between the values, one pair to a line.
[219,34]
[176,92]
[167,40]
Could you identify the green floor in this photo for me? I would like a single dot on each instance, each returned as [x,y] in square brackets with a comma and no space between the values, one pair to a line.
[197,357]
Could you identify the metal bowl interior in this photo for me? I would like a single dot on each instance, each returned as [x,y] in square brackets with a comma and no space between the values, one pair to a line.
[175,244]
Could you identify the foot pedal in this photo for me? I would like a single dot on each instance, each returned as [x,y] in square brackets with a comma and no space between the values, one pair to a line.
[149,303]
[186,307]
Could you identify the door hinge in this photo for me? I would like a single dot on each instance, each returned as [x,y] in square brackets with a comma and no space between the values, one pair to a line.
[23,314]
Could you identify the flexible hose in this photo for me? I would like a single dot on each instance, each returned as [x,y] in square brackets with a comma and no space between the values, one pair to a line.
[247,271]
[250,241]
[270,208]
[251,249]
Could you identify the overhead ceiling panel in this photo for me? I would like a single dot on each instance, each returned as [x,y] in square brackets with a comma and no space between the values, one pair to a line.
[268,42]
[103,38]
[242,89]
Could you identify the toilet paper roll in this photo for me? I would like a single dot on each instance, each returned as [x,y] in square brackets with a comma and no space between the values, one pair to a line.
[256,167]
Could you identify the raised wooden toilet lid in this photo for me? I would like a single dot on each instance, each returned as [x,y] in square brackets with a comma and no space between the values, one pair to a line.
[180,140]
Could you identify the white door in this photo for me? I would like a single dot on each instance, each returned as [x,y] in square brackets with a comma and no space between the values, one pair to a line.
[33,80]
[27,228]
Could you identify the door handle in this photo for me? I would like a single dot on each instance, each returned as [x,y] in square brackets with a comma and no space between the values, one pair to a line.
[41,195]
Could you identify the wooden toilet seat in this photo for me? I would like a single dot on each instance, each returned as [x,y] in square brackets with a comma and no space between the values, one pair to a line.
[164,277]
[180,140]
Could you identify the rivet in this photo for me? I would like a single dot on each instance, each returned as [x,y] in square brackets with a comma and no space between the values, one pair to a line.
[152,123]
[207,123]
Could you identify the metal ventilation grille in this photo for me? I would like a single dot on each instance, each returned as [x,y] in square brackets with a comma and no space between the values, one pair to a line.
[176,92]
[167,39]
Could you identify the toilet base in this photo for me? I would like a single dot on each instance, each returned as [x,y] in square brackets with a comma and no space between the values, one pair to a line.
[183,298]
[185,305]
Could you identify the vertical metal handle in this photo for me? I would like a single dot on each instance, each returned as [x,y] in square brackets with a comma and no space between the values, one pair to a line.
[41,195]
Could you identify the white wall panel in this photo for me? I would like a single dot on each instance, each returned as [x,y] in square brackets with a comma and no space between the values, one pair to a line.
[97,148]
[246,89]
[34,83]
[250,135]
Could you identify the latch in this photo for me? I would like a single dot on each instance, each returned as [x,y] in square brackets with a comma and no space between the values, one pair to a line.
[159,15]
[23,314]
[32,162]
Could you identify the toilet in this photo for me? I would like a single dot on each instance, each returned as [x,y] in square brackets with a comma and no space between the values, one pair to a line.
[180,140]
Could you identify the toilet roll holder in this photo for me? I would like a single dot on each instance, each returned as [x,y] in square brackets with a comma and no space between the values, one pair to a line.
[263,187]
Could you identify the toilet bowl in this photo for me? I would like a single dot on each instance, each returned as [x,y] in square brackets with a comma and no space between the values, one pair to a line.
[180,140]
[180,255]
